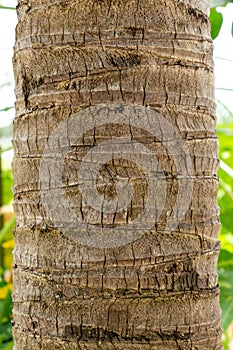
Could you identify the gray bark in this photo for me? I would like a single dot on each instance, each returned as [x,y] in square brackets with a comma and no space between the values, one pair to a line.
[160,290]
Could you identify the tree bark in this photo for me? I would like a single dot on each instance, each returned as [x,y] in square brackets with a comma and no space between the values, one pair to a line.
[158,288]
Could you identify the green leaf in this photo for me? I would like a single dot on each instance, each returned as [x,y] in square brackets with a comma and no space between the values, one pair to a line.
[225,272]
[226,239]
[224,131]
[5,334]
[7,7]
[7,184]
[6,109]
[216,19]
[227,190]
[6,309]
[10,148]
[2,283]
[225,260]
[6,233]
[228,170]
[7,346]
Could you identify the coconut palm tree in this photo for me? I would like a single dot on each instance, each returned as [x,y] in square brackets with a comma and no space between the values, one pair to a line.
[115,176]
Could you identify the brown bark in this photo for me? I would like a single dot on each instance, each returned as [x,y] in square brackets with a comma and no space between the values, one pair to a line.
[160,290]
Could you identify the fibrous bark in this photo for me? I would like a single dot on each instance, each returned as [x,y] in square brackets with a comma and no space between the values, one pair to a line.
[159,291]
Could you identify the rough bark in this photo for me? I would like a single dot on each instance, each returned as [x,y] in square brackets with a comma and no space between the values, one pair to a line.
[161,290]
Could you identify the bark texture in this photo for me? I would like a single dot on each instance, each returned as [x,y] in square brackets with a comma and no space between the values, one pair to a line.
[160,291]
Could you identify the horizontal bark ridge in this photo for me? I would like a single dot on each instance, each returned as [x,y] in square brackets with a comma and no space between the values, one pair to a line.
[76,62]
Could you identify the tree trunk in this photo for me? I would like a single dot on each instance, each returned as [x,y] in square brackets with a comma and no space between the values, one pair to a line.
[115,175]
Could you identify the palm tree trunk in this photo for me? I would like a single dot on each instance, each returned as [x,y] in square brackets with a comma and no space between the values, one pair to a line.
[96,267]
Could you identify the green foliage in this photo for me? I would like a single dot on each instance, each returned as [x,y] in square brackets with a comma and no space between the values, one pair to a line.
[7,184]
[6,233]
[216,17]
[6,342]
[225,270]
[7,7]
[225,199]
[6,109]
[5,323]
[6,246]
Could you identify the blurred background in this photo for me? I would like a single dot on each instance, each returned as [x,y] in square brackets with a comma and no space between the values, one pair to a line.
[221,16]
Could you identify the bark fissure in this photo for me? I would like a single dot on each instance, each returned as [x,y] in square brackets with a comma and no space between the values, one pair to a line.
[160,290]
